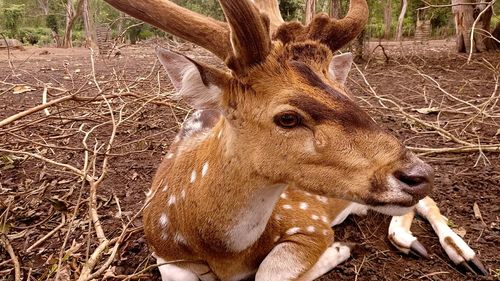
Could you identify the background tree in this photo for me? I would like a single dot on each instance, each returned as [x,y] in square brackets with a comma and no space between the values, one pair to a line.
[310,10]
[399,32]
[88,23]
[71,15]
[387,19]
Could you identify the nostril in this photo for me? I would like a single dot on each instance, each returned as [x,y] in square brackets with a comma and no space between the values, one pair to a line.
[410,180]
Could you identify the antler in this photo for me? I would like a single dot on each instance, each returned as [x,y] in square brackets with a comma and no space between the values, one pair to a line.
[250,36]
[331,32]
[245,40]
[205,32]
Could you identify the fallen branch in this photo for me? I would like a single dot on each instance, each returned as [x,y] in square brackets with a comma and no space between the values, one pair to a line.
[8,247]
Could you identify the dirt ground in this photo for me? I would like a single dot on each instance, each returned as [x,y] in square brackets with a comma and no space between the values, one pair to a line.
[424,93]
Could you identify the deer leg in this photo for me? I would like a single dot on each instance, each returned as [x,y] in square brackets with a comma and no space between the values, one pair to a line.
[455,247]
[292,261]
[171,272]
[401,236]
[333,256]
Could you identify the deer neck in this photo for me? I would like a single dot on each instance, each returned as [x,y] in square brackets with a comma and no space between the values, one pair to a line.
[239,200]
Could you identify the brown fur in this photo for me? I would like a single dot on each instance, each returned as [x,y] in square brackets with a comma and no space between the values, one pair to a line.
[336,151]
[252,154]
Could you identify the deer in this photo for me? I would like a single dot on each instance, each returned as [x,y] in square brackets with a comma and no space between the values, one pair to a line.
[276,152]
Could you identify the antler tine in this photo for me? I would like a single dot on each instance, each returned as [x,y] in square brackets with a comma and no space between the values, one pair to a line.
[205,32]
[331,32]
[250,38]
[272,9]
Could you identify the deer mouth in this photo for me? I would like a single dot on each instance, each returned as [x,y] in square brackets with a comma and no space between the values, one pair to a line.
[402,188]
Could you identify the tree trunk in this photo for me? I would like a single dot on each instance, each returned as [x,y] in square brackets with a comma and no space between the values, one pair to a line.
[335,9]
[44,6]
[90,35]
[387,19]
[399,33]
[310,10]
[464,18]
[481,36]
[71,16]
[359,47]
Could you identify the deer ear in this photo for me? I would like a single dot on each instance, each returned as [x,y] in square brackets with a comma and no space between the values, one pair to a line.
[199,85]
[340,66]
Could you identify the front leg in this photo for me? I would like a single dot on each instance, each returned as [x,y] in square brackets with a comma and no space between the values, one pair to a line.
[458,251]
[301,260]
[401,236]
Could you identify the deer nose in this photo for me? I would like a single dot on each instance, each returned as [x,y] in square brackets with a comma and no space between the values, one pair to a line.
[416,179]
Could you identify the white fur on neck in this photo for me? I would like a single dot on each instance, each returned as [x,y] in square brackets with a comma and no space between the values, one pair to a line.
[252,220]
[352,208]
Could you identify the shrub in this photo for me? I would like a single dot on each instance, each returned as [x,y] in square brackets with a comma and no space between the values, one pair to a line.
[30,35]
[11,18]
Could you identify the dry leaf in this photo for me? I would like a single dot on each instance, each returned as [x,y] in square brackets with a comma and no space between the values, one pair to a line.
[64,273]
[477,212]
[427,110]
[497,133]
[77,70]
[460,231]
[19,89]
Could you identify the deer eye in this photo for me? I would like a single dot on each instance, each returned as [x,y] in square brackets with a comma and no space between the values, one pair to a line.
[288,120]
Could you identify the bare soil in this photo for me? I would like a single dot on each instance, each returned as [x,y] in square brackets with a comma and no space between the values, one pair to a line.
[35,196]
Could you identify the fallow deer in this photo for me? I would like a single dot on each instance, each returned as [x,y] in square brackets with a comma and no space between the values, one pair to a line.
[247,187]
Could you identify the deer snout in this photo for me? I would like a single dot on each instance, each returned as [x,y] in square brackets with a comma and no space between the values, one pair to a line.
[416,179]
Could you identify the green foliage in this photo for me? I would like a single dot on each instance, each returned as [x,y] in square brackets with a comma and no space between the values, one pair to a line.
[52,22]
[291,9]
[12,16]
[31,35]
[77,36]
[209,8]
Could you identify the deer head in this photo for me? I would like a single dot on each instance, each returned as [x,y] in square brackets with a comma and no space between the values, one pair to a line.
[287,113]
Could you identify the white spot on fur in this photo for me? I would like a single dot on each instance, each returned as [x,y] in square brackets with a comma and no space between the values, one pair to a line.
[283,196]
[278,217]
[163,219]
[311,229]
[308,193]
[219,135]
[148,194]
[165,188]
[325,231]
[293,230]
[180,239]
[183,194]
[193,176]
[276,238]
[324,219]
[303,205]
[322,199]
[314,217]
[171,200]
[170,155]
[164,235]
[204,170]
[287,207]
